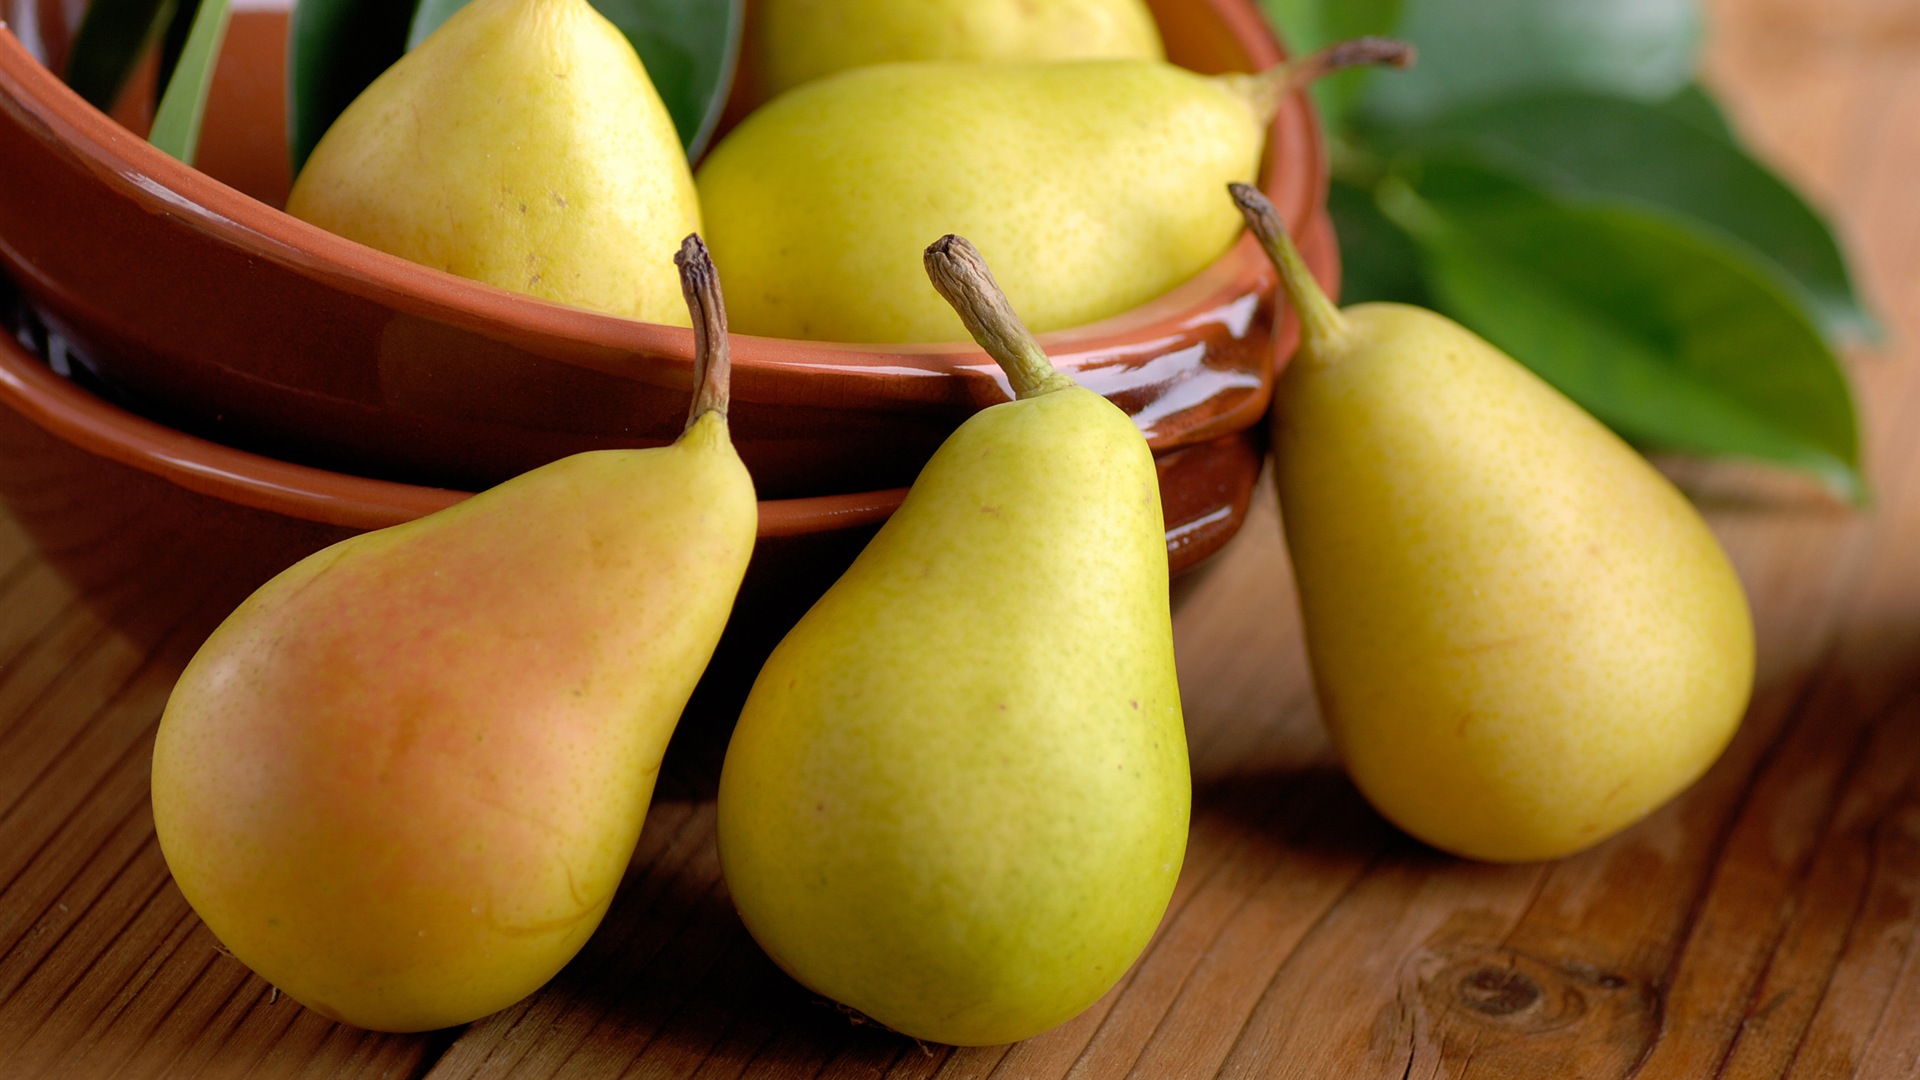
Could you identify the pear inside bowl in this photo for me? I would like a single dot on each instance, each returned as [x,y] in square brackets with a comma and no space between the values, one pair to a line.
[191,295]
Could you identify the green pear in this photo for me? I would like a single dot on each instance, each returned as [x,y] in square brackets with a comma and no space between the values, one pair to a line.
[957,797]
[522,145]
[1523,637]
[798,41]
[402,781]
[1092,186]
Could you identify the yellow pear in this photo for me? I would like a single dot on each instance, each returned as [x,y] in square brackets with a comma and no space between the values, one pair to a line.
[957,797]
[1523,637]
[402,781]
[798,41]
[522,145]
[1092,187]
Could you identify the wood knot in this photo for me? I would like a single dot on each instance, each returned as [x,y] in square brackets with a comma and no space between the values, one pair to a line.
[1499,991]
[1520,993]
[1518,1009]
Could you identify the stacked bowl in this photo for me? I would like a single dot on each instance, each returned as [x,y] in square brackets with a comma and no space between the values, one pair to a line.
[192,369]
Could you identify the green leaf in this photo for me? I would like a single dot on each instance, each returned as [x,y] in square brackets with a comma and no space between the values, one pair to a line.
[113,36]
[1378,260]
[1307,25]
[173,40]
[1696,106]
[688,47]
[1595,147]
[1481,50]
[1296,21]
[176,121]
[334,49]
[1666,332]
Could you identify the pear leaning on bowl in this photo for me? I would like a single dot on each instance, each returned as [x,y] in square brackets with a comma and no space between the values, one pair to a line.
[798,41]
[522,145]
[1092,187]
[957,797]
[402,781]
[1524,639]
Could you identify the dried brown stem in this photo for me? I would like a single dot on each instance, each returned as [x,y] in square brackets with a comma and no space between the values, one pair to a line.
[713,357]
[962,277]
[1269,88]
[1321,323]
[1341,55]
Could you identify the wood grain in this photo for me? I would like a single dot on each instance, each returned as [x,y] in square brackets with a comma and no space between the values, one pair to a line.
[1762,925]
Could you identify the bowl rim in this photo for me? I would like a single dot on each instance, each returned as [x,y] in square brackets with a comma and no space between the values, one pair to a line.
[161,185]
[69,413]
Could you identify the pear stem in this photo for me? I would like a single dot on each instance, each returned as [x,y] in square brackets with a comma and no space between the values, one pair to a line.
[1269,88]
[1321,323]
[713,357]
[962,277]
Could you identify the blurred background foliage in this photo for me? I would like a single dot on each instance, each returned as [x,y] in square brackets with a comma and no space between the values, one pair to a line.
[1554,176]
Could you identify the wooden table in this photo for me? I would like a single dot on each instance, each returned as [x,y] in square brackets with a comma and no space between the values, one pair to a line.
[1763,924]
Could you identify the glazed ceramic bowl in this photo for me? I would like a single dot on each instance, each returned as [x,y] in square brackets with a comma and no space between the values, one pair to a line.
[110,497]
[214,311]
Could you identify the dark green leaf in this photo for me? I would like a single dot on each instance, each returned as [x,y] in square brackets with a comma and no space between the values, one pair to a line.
[1666,332]
[176,121]
[688,47]
[1481,50]
[1306,25]
[334,49]
[1697,107]
[1378,260]
[173,40]
[113,36]
[1615,149]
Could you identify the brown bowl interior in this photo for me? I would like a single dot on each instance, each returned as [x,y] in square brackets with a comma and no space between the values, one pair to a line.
[210,309]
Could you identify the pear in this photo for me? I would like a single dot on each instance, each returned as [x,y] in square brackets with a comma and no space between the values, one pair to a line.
[522,145]
[1523,637]
[957,796]
[402,781]
[1092,186]
[798,41]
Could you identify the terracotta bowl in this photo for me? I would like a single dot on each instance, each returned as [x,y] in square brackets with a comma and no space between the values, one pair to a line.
[207,307]
[110,497]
